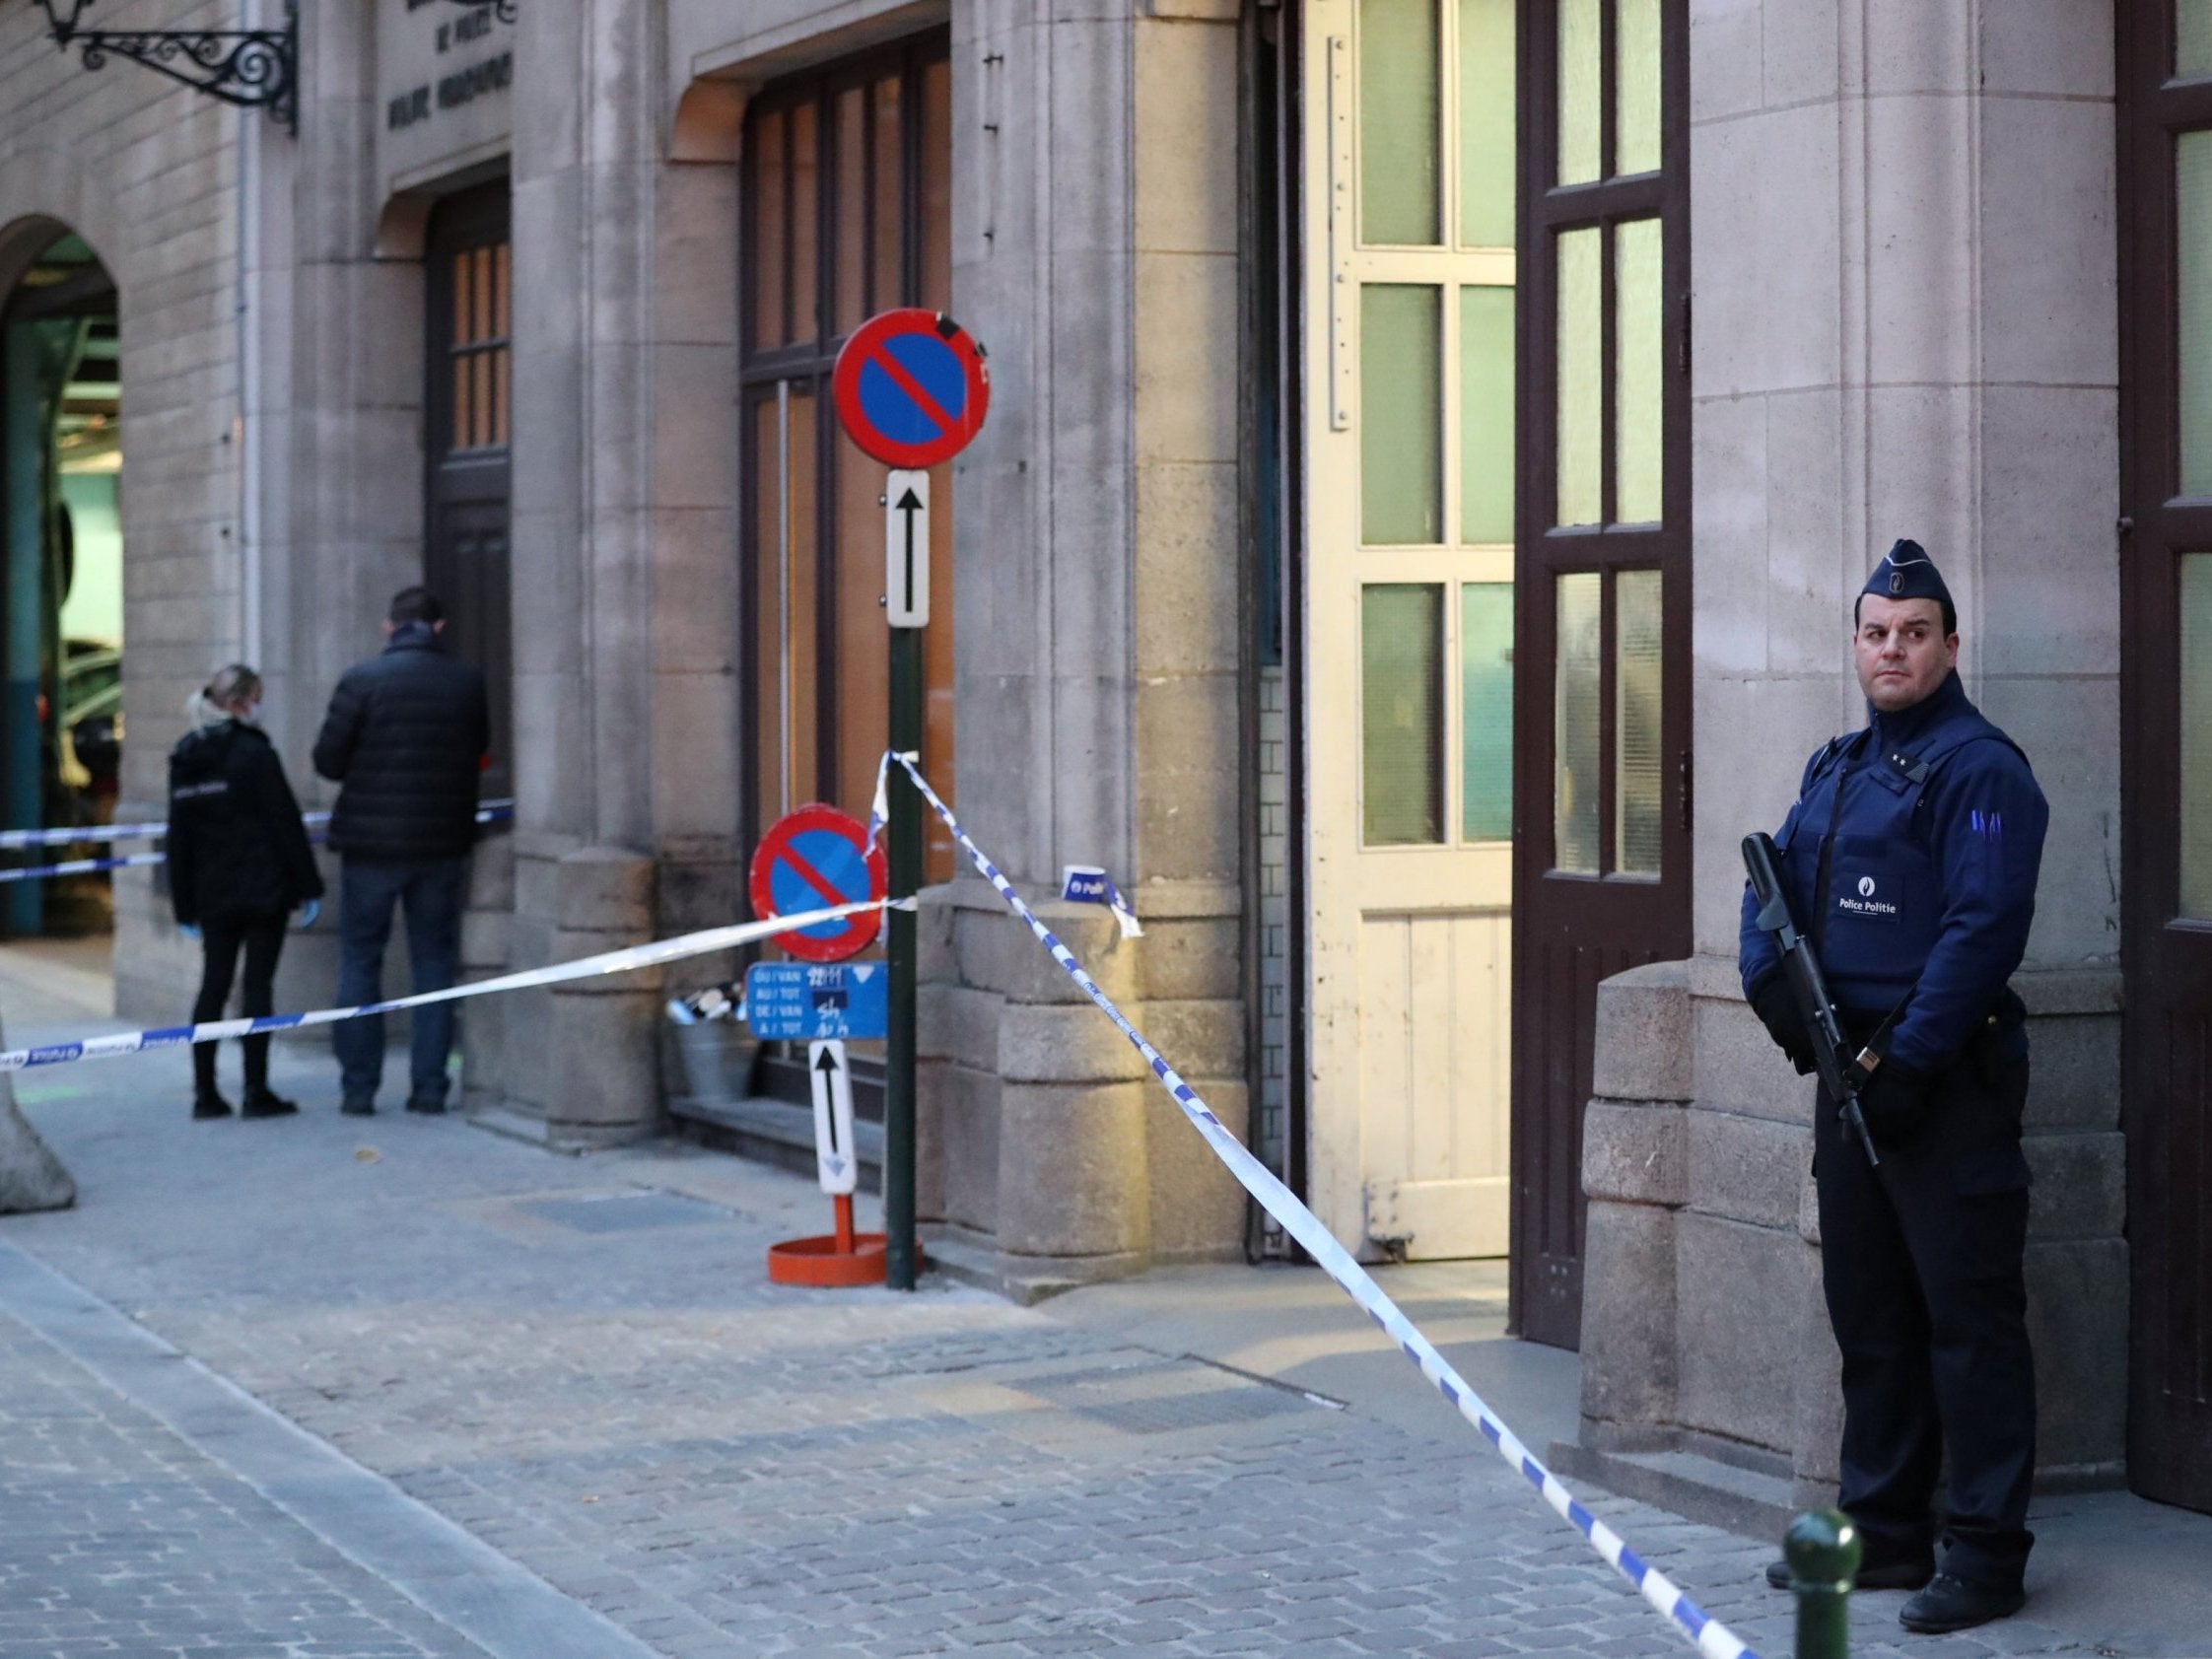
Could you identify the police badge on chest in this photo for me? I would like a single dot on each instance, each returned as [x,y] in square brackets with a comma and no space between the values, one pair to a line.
[1865,898]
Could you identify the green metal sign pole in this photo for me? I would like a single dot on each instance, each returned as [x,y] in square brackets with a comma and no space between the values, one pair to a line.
[905,833]
[1823,1551]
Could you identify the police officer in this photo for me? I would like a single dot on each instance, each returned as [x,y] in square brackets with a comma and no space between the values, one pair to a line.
[1910,860]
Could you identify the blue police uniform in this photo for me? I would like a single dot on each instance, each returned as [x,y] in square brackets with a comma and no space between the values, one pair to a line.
[1911,860]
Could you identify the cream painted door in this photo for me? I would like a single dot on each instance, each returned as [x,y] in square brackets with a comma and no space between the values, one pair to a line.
[1409,179]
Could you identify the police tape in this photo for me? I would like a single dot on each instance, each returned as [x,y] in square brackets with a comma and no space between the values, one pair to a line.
[621,961]
[1711,1638]
[494,812]
[490,812]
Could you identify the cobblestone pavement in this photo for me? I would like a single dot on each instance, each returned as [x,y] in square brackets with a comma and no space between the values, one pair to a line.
[581,1362]
[116,1537]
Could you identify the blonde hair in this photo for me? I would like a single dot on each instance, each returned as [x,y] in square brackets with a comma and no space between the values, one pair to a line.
[217,700]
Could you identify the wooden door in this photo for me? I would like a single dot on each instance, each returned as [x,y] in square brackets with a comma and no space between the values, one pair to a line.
[470,420]
[2166,597]
[1602,653]
[1408,601]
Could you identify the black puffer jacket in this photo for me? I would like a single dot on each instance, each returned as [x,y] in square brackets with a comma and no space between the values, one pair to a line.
[406,735]
[235,843]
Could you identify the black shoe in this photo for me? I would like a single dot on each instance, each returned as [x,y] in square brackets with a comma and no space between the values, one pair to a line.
[355,1108]
[1906,1575]
[423,1103]
[1952,1603]
[206,1103]
[261,1103]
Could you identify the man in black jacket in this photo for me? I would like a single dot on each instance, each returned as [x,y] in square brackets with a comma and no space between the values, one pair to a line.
[405,736]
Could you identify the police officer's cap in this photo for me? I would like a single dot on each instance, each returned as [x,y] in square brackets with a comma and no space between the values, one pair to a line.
[1908,573]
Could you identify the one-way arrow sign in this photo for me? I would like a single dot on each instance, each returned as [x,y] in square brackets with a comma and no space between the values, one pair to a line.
[834,1157]
[906,549]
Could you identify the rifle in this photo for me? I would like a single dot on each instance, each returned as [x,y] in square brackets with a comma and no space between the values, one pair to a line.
[1808,985]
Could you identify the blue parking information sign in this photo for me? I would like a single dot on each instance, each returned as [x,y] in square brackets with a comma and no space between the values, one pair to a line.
[793,1002]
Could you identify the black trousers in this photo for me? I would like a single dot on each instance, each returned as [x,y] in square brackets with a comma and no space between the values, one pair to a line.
[1921,1261]
[222,938]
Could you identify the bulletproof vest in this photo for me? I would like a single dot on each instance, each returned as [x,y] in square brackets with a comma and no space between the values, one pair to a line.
[1863,871]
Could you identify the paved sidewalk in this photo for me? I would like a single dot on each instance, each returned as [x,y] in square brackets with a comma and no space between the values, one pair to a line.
[565,1382]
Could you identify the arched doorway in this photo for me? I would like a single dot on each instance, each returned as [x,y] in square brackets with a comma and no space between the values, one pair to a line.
[61,577]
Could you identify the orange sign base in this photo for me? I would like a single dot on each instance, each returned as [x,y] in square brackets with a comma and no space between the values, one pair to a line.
[831,1259]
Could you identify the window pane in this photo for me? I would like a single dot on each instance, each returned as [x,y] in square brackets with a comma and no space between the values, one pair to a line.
[1636,778]
[458,438]
[2197,736]
[887,224]
[1574,725]
[936,189]
[1638,365]
[1485,678]
[851,212]
[1401,441]
[1398,142]
[806,217]
[502,287]
[1485,414]
[1581,86]
[2194,260]
[462,301]
[1582,368]
[501,388]
[1636,85]
[480,398]
[1486,123]
[1401,724]
[2192,38]
[766,252]
[483,296]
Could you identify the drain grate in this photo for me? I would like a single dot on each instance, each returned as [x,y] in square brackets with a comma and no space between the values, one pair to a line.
[1159,1399]
[624,1213]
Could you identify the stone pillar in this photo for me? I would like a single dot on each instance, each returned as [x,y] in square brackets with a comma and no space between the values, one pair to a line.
[602,1082]
[1636,1154]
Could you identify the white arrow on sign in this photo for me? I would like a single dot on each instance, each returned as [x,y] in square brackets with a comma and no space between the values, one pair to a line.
[906,549]
[834,1157]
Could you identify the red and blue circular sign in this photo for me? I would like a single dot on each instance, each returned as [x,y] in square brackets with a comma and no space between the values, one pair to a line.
[815,858]
[911,388]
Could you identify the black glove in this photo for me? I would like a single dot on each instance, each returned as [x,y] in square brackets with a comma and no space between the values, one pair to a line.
[1777,1011]
[1895,1102]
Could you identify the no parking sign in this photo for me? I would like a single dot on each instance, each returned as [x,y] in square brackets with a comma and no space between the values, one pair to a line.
[815,858]
[911,388]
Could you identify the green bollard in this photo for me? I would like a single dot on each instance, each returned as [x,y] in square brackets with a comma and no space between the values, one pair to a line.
[1823,1551]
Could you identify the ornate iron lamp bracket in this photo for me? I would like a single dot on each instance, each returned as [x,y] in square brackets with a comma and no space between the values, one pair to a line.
[253,68]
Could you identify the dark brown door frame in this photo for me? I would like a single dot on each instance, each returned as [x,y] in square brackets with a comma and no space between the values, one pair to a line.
[466,495]
[2166,963]
[1571,930]
[808,364]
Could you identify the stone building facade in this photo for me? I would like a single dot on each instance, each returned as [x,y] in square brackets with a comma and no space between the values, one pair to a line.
[1432,445]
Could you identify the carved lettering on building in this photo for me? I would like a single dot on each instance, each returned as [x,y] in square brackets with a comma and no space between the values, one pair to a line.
[462,86]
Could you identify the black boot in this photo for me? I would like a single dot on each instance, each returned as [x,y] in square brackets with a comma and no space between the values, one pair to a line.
[1952,1603]
[259,1102]
[207,1100]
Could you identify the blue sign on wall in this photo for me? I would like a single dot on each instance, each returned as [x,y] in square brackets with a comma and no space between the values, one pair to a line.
[789,1002]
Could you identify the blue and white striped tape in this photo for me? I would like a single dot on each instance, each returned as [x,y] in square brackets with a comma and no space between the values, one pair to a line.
[583,967]
[489,813]
[1711,1638]
[492,813]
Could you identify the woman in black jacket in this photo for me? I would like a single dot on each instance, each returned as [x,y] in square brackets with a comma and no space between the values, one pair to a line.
[238,863]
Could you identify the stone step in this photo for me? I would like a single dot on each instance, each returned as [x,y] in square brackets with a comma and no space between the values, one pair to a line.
[1755,1503]
[773,1131]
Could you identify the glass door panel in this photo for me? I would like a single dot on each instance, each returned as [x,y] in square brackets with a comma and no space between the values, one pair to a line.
[1639,372]
[1636,85]
[2192,264]
[1398,175]
[1401,650]
[1638,729]
[1401,443]
[1485,678]
[1581,90]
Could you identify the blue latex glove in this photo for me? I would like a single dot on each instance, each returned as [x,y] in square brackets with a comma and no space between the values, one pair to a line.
[190,930]
[308,914]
